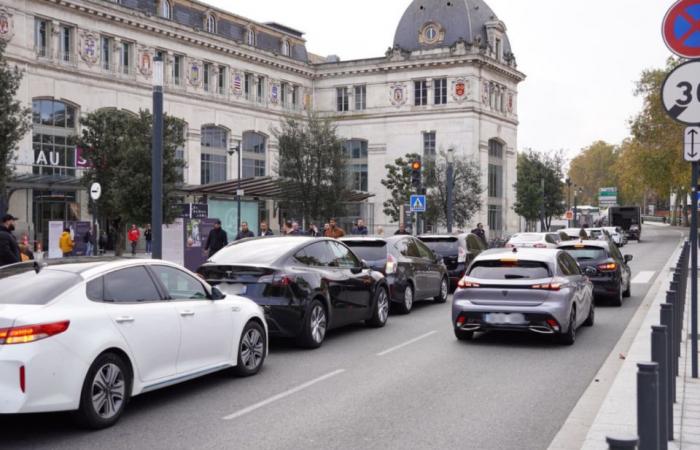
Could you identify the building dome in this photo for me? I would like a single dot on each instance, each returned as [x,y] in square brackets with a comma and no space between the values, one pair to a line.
[430,24]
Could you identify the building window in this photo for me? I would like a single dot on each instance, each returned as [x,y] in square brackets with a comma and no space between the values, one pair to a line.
[495,220]
[251,37]
[221,88]
[498,49]
[127,50]
[429,147]
[360,98]
[213,168]
[295,96]
[66,43]
[177,69]
[211,23]
[261,89]
[106,52]
[420,92]
[440,88]
[41,37]
[285,47]
[495,181]
[214,137]
[214,143]
[207,77]
[54,125]
[495,149]
[343,100]
[247,85]
[254,155]
[283,94]
[164,9]
[356,164]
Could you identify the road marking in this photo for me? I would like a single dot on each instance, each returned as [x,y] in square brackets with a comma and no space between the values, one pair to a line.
[389,350]
[643,277]
[282,395]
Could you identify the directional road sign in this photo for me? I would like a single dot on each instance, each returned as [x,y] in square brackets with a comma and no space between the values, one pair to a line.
[681,28]
[95,191]
[681,93]
[691,148]
[418,203]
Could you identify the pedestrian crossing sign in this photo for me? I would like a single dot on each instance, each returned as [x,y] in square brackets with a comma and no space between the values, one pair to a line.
[418,203]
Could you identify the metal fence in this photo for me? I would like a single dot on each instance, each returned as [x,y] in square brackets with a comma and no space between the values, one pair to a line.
[656,380]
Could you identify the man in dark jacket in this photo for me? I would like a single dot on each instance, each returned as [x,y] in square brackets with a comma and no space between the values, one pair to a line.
[216,240]
[265,230]
[360,229]
[9,249]
[245,232]
[479,231]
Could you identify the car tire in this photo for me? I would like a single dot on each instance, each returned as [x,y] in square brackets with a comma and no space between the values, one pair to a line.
[444,291]
[315,326]
[616,300]
[569,338]
[406,306]
[105,393]
[628,291]
[590,320]
[463,335]
[252,350]
[381,308]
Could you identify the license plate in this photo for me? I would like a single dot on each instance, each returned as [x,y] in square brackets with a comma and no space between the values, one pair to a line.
[233,289]
[505,319]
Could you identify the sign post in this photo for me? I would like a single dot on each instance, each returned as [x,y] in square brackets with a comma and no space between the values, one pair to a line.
[418,205]
[95,194]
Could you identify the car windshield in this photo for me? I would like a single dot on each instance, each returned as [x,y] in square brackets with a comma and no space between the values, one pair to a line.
[368,250]
[594,233]
[27,287]
[442,246]
[509,270]
[256,252]
[586,253]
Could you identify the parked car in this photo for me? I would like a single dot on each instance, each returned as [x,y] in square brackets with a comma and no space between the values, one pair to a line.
[534,290]
[457,252]
[534,240]
[305,285]
[617,235]
[605,266]
[86,335]
[413,272]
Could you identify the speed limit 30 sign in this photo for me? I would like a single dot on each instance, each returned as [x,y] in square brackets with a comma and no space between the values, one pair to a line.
[681,93]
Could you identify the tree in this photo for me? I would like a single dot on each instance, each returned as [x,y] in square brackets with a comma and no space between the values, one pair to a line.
[14,123]
[398,183]
[539,187]
[311,166]
[466,192]
[117,147]
[594,168]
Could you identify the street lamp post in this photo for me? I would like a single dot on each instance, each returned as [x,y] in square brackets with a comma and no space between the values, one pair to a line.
[577,191]
[157,160]
[450,187]
[568,197]
[237,149]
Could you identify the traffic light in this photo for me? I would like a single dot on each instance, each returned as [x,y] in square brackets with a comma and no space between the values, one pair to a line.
[416,169]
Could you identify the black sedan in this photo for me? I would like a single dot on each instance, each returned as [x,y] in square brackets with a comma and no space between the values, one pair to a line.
[306,286]
[457,251]
[412,270]
[603,263]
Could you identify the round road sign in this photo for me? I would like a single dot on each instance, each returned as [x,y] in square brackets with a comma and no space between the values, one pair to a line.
[681,93]
[95,191]
[681,28]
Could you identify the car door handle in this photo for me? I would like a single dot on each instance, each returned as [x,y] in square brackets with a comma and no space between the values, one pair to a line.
[186,313]
[124,319]
[235,308]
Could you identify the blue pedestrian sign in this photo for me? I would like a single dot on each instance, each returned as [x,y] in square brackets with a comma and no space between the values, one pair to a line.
[418,203]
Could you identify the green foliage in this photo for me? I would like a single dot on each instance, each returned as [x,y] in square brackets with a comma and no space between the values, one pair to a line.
[117,146]
[594,168]
[312,167]
[533,169]
[398,183]
[14,122]
[466,192]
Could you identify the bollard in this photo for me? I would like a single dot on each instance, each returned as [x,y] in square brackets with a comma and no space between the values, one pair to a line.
[673,299]
[622,443]
[667,321]
[648,405]
[659,354]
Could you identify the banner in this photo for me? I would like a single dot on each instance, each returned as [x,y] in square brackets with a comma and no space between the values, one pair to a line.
[55,230]
[196,234]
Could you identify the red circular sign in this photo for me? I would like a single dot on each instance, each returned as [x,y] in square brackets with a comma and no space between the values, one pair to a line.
[681,28]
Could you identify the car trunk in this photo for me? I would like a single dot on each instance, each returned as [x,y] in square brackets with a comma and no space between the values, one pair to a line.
[10,313]
[507,292]
[591,256]
[446,247]
[238,280]
[373,252]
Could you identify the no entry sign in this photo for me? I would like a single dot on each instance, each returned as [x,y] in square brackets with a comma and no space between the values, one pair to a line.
[681,29]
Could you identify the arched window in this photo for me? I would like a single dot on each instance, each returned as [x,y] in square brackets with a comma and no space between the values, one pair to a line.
[254,154]
[211,23]
[495,149]
[54,123]
[164,10]
[356,164]
[213,160]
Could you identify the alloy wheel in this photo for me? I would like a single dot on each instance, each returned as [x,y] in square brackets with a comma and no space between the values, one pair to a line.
[443,289]
[108,391]
[252,349]
[318,323]
[408,298]
[383,305]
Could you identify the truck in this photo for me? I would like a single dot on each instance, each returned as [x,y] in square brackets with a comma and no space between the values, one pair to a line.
[629,218]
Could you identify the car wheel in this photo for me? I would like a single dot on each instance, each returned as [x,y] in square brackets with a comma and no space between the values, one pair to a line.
[628,291]
[407,305]
[105,392]
[381,309]
[569,337]
[463,335]
[617,298]
[590,320]
[315,326]
[251,350]
[444,291]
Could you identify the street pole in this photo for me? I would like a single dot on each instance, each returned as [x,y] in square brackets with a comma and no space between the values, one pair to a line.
[157,160]
[694,271]
[543,225]
[568,199]
[238,191]
[450,187]
[575,209]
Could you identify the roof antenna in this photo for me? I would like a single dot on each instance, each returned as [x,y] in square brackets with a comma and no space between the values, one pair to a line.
[38,267]
[515,249]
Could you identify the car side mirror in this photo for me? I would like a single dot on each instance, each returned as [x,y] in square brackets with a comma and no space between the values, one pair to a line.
[628,258]
[216,293]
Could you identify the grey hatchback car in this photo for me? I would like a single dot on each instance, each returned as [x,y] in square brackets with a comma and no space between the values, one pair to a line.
[535,290]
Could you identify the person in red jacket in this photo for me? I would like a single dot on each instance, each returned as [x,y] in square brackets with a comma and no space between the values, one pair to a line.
[134,235]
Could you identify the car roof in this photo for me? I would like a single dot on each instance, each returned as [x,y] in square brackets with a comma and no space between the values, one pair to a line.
[444,236]
[374,238]
[546,255]
[587,243]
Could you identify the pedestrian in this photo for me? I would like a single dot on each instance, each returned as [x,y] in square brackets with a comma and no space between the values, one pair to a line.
[9,250]
[582,234]
[217,239]
[104,239]
[245,232]
[326,228]
[313,231]
[402,230]
[287,228]
[296,231]
[334,231]
[25,254]
[89,240]
[360,229]
[148,235]
[66,243]
[265,230]
[380,231]
[479,232]
[134,235]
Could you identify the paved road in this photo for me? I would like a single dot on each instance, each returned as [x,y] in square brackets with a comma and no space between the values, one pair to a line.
[411,385]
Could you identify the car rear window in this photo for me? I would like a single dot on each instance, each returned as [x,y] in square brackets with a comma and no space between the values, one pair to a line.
[442,246]
[509,270]
[26,287]
[368,250]
[586,253]
[527,238]
[256,252]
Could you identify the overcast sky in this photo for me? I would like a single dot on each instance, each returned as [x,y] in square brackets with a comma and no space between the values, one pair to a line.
[582,58]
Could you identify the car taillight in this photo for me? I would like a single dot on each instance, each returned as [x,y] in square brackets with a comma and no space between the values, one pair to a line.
[607,267]
[464,284]
[22,380]
[461,320]
[31,333]
[391,265]
[554,285]
[461,255]
[277,280]
[553,324]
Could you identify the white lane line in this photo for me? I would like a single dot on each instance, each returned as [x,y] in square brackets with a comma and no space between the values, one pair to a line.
[643,277]
[282,395]
[423,336]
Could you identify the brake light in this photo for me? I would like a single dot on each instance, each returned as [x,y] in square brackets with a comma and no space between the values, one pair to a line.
[461,320]
[391,265]
[607,267]
[276,280]
[464,284]
[548,286]
[461,255]
[31,333]
[22,380]
[553,324]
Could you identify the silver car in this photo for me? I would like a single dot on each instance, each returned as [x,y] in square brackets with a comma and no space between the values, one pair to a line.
[535,290]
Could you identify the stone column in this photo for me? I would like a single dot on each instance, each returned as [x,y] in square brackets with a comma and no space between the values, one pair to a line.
[54,50]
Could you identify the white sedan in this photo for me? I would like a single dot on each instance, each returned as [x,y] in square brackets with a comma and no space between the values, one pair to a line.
[534,240]
[85,336]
